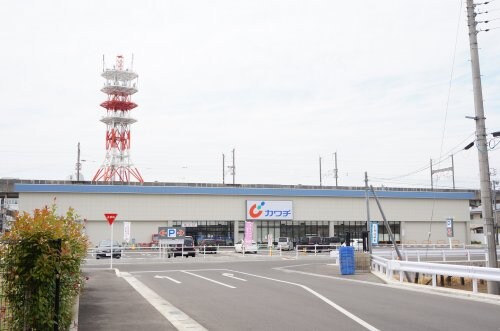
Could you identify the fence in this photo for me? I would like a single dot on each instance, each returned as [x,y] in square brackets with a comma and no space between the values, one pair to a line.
[392,267]
[161,251]
[20,314]
[443,255]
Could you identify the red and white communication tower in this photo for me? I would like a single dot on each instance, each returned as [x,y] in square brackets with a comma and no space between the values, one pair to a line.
[119,86]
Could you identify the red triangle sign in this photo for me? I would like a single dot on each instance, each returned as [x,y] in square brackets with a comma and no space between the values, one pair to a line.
[111,218]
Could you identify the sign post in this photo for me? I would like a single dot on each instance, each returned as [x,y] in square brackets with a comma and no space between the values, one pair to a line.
[449,229]
[111,218]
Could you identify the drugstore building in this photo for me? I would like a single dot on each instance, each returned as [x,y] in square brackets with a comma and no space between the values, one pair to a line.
[221,211]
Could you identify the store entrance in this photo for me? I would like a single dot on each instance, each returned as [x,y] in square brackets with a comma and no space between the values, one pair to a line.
[221,231]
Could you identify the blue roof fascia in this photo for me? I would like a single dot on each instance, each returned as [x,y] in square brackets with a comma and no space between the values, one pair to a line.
[243,191]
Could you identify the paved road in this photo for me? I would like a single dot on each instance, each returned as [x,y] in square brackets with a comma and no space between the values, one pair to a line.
[276,294]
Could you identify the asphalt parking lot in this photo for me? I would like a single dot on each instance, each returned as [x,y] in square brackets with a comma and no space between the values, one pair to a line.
[257,292]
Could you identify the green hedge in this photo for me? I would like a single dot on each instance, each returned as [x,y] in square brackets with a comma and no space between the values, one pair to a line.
[32,261]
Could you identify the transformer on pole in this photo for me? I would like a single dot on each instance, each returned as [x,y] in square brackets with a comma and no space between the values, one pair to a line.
[119,86]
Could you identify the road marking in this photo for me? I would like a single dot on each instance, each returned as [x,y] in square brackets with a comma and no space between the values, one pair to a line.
[233,277]
[321,297]
[174,270]
[169,278]
[174,315]
[210,280]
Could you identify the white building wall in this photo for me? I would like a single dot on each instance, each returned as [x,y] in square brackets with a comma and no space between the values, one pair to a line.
[418,232]
[148,212]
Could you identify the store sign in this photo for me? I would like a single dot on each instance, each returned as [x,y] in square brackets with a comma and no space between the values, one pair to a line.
[374,233]
[449,227]
[189,224]
[171,233]
[269,210]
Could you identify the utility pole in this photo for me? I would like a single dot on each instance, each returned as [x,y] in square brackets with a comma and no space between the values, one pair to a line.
[234,169]
[432,173]
[389,231]
[494,203]
[367,198]
[453,171]
[320,175]
[78,164]
[336,171]
[482,148]
[223,169]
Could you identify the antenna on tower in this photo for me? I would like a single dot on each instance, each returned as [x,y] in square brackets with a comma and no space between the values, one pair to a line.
[132,63]
[103,63]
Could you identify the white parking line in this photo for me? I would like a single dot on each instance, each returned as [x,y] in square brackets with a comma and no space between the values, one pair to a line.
[210,280]
[321,297]
[233,277]
[169,278]
[175,316]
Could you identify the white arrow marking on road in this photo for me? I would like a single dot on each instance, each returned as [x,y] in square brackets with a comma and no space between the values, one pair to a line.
[166,277]
[232,276]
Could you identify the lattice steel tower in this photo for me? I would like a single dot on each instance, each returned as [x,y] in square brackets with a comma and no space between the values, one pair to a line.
[119,86]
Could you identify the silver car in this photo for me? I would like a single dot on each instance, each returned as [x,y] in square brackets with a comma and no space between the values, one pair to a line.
[104,249]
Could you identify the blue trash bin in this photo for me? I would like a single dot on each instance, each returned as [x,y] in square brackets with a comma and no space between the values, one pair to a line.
[347,262]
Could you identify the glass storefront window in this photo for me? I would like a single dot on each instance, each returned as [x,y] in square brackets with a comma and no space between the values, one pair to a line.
[221,231]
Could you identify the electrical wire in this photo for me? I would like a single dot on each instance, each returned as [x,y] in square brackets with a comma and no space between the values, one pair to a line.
[453,151]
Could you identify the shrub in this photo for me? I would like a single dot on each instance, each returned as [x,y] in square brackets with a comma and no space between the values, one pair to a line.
[38,249]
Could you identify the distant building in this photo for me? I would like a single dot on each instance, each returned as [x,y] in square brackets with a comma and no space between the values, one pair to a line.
[8,209]
[477,223]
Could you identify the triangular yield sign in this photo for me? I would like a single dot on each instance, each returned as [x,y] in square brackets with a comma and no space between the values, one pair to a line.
[111,218]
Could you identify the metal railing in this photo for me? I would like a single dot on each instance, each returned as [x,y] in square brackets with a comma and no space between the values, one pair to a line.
[391,267]
[439,255]
[161,251]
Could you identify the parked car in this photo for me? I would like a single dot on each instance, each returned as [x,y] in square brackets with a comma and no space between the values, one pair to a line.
[241,246]
[208,246]
[184,249]
[104,249]
[285,243]
[310,243]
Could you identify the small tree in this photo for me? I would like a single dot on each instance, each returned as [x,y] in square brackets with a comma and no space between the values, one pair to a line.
[39,249]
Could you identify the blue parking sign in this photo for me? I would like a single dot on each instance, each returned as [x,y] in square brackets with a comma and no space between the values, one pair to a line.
[172,233]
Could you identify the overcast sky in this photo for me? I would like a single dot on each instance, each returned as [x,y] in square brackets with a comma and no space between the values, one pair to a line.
[283,82]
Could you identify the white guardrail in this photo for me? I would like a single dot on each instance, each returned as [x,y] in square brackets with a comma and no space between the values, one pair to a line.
[391,267]
[443,255]
[160,251]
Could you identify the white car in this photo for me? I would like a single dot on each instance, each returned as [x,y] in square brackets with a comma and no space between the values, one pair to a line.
[247,247]
[285,243]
